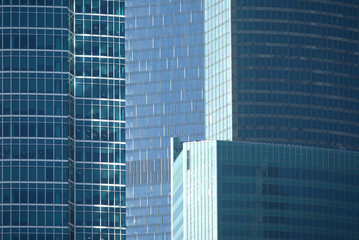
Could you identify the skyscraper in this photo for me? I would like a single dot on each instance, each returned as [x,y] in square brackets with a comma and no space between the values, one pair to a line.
[33,110]
[45,46]
[277,72]
[282,72]
[164,97]
[238,190]
[96,120]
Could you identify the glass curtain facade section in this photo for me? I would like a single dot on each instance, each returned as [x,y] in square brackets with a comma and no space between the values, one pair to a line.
[164,97]
[176,189]
[286,192]
[218,69]
[294,72]
[266,191]
[33,120]
[177,199]
[96,120]
[194,185]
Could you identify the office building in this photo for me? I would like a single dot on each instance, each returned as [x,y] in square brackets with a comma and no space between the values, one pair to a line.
[240,190]
[276,72]
[34,145]
[164,97]
[62,104]
[282,72]
[96,120]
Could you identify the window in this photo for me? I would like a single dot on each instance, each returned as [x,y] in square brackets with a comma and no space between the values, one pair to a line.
[188,159]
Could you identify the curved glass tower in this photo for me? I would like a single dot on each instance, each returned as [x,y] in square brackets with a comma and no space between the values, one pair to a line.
[56,54]
[283,72]
[33,120]
[96,120]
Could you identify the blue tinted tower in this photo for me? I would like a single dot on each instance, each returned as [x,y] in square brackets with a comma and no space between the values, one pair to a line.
[164,97]
[96,120]
[56,54]
[283,72]
[33,120]
[238,190]
[281,93]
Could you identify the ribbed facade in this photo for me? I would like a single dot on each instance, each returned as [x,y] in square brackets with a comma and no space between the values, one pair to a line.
[164,97]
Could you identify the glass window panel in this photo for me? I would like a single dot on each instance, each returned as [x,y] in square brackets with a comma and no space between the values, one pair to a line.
[95,6]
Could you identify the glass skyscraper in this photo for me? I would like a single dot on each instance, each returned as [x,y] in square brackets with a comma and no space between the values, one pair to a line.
[33,124]
[164,97]
[96,120]
[283,72]
[238,190]
[62,111]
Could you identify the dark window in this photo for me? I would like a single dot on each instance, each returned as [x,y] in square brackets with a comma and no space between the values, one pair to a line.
[188,159]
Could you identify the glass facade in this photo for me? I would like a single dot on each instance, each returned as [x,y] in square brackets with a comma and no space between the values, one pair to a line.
[33,120]
[176,190]
[62,112]
[266,191]
[294,70]
[194,187]
[283,72]
[164,97]
[96,120]
[218,69]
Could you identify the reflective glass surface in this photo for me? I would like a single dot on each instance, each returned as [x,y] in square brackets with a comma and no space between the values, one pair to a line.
[238,190]
[218,69]
[33,120]
[96,120]
[194,188]
[294,72]
[286,192]
[164,97]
